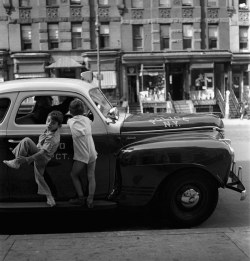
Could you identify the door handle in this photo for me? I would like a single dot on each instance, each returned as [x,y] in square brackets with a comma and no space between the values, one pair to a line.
[14,141]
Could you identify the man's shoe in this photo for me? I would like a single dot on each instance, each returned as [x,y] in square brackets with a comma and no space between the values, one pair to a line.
[12,163]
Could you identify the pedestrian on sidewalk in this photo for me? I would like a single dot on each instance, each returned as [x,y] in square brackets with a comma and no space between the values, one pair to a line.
[84,153]
[243,109]
[40,154]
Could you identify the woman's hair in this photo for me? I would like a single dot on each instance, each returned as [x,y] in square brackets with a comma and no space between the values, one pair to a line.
[76,107]
[56,116]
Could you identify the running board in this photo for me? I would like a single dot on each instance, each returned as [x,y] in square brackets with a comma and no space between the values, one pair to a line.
[98,205]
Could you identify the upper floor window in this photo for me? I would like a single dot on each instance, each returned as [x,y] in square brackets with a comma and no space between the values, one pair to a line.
[187,2]
[103,2]
[187,36]
[212,36]
[137,37]
[243,41]
[24,3]
[243,4]
[165,36]
[104,36]
[165,3]
[51,2]
[26,37]
[75,2]
[76,36]
[212,3]
[53,36]
[137,3]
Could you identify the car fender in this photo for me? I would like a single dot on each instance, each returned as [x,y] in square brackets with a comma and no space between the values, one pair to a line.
[144,165]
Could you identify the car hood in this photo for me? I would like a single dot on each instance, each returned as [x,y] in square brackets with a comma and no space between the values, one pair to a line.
[151,121]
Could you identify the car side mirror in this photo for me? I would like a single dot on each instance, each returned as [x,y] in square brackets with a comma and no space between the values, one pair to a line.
[113,114]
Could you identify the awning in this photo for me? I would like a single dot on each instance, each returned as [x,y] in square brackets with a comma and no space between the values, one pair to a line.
[30,75]
[202,66]
[65,62]
[109,79]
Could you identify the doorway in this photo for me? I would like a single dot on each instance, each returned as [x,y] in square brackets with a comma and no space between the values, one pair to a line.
[176,87]
[132,90]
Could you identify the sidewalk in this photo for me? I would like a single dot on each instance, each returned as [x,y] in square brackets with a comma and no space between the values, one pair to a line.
[245,121]
[231,243]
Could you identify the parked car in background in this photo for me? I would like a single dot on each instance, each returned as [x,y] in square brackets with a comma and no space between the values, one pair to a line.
[173,164]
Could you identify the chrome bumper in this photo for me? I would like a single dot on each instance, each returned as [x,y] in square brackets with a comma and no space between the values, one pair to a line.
[235,181]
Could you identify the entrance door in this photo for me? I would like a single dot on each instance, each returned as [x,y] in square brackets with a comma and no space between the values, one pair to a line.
[177,87]
[132,90]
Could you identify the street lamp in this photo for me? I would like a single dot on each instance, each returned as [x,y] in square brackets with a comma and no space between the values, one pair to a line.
[97,29]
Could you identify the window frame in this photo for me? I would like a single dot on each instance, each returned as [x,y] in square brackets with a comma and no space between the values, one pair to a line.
[187,4]
[187,39]
[104,38]
[137,3]
[164,37]
[75,36]
[24,42]
[211,39]
[51,2]
[51,40]
[138,37]
[24,3]
[165,4]
[244,49]
[210,3]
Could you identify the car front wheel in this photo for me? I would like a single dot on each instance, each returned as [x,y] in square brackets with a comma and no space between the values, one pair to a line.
[188,199]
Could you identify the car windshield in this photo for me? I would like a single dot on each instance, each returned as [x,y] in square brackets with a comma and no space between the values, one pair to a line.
[100,100]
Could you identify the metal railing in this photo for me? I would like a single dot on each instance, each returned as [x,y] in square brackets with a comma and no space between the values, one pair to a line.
[221,102]
[172,102]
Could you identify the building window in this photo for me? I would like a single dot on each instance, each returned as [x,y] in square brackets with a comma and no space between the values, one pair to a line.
[24,3]
[165,3]
[164,36]
[137,37]
[187,36]
[187,2]
[53,36]
[137,3]
[243,4]
[212,36]
[76,30]
[51,2]
[103,2]
[212,3]
[243,38]
[75,2]
[26,37]
[104,36]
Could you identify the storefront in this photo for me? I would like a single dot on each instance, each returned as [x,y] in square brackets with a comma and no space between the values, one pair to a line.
[3,66]
[155,81]
[30,65]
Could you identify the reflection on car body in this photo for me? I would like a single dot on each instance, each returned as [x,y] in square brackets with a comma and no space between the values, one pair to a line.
[172,163]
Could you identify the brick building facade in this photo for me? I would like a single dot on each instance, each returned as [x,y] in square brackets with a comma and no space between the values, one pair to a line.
[150,51]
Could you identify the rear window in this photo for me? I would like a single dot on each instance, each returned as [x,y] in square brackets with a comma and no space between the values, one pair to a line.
[4,105]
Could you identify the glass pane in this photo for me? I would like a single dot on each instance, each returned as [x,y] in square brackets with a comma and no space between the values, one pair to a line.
[26,32]
[165,3]
[244,32]
[165,43]
[165,30]
[213,31]
[77,28]
[137,3]
[51,2]
[187,2]
[53,31]
[212,3]
[103,2]
[104,29]
[24,3]
[187,30]
[75,2]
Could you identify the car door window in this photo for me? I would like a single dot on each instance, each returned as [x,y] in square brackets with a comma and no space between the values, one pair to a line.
[4,105]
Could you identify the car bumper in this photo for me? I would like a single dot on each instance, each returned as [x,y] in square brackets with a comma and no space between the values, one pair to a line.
[235,181]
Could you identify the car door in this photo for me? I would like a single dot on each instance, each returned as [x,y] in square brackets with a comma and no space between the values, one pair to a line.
[22,183]
[5,110]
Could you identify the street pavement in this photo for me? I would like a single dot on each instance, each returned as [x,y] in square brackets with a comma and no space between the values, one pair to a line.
[227,243]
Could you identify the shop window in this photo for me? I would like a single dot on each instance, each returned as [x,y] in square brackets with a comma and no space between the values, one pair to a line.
[243,4]
[165,36]
[103,2]
[76,36]
[243,41]
[187,36]
[137,3]
[26,37]
[53,35]
[24,3]
[137,37]
[204,86]
[212,3]
[51,2]
[104,36]
[212,36]
[165,3]
[187,2]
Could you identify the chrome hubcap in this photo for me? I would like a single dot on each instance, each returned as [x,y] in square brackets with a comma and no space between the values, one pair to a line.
[190,198]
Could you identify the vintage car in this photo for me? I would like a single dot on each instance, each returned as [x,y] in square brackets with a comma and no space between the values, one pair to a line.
[172,164]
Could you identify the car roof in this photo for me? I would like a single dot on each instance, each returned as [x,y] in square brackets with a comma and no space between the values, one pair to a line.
[46,84]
